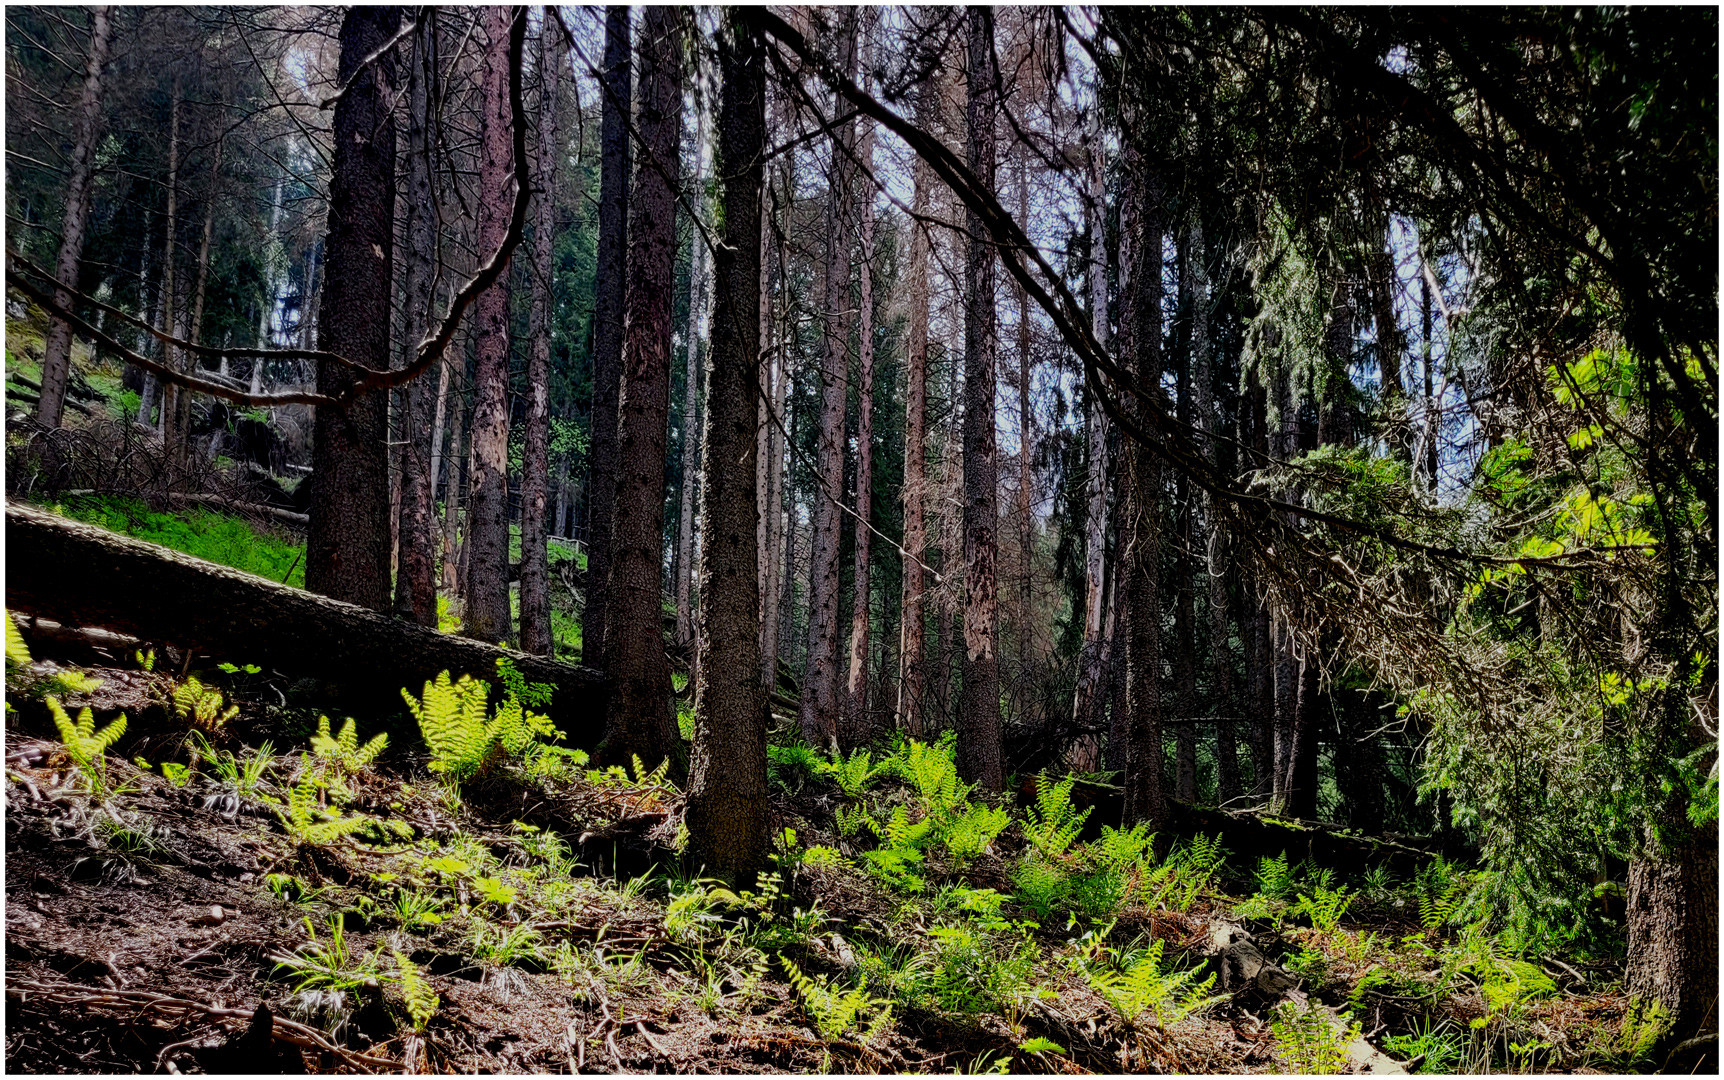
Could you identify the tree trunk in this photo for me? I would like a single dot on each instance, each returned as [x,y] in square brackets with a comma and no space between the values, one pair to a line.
[912,627]
[1089,702]
[697,335]
[165,392]
[727,795]
[416,565]
[487,616]
[820,683]
[1673,926]
[1262,643]
[1145,795]
[452,484]
[347,544]
[1208,412]
[193,332]
[1026,472]
[639,720]
[57,349]
[609,284]
[856,727]
[81,575]
[979,709]
[536,458]
[767,465]
[1184,566]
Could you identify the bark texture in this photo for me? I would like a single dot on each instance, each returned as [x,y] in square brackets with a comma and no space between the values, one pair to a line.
[727,796]
[979,759]
[1145,794]
[607,326]
[1088,705]
[820,683]
[698,329]
[536,457]
[416,563]
[57,349]
[639,720]
[913,623]
[857,727]
[487,616]
[347,544]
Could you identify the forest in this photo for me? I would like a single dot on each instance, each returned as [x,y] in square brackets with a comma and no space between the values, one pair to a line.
[861,539]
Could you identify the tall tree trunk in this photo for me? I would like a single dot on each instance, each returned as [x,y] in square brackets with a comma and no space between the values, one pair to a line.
[1089,702]
[57,349]
[912,626]
[452,485]
[1145,795]
[820,683]
[347,544]
[421,437]
[1026,473]
[856,724]
[487,616]
[727,795]
[638,720]
[1184,566]
[1254,601]
[166,393]
[979,758]
[609,285]
[698,287]
[1208,411]
[769,519]
[178,448]
[536,458]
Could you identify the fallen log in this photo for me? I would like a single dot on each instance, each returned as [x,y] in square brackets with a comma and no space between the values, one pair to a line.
[1252,835]
[221,502]
[81,575]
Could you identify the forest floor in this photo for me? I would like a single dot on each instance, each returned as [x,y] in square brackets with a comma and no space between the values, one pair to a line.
[164,884]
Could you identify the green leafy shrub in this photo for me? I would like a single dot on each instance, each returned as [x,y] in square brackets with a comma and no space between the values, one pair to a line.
[1436,1048]
[340,754]
[969,833]
[1274,877]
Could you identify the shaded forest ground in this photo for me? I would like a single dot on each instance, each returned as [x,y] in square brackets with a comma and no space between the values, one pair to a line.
[163,885]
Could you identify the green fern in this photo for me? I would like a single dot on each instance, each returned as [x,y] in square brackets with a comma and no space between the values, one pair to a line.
[1167,995]
[17,653]
[969,833]
[421,1001]
[932,770]
[1436,908]
[1122,849]
[201,706]
[1326,907]
[20,679]
[837,1014]
[343,750]
[452,718]
[86,746]
[1274,877]
[853,774]
[310,823]
[1311,1042]
[1052,824]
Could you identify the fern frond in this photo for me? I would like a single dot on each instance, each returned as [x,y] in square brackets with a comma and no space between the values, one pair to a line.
[17,653]
[422,1002]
